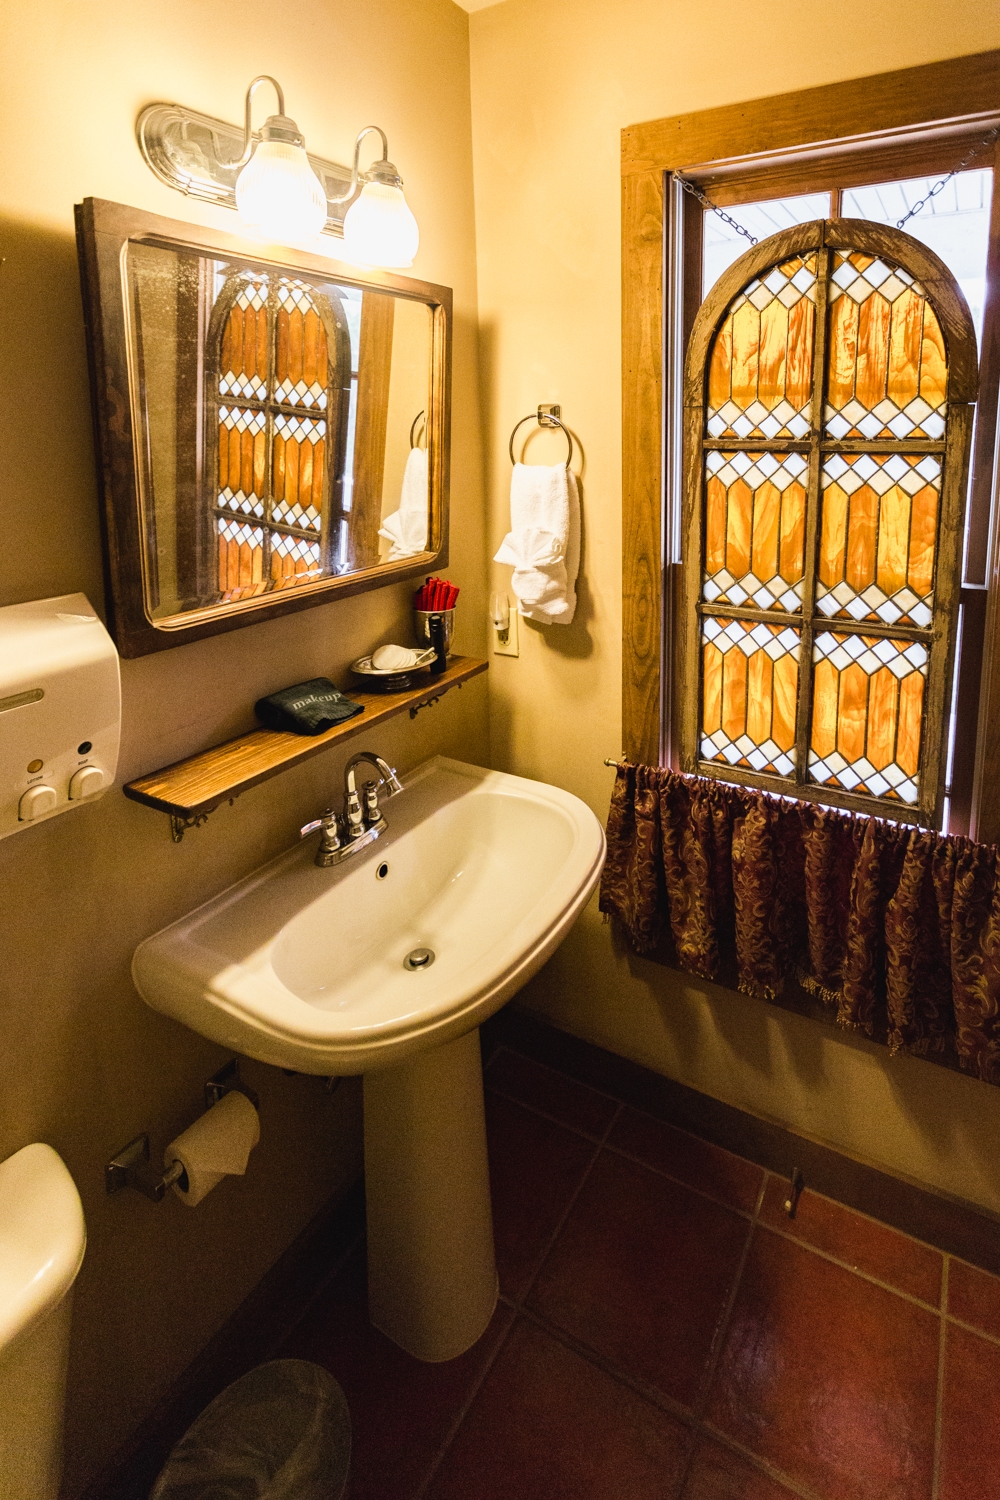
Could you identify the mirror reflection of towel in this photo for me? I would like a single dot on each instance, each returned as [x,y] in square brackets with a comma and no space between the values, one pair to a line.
[406,528]
[543,544]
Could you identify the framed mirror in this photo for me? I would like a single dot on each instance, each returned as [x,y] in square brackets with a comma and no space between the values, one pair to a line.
[272,427]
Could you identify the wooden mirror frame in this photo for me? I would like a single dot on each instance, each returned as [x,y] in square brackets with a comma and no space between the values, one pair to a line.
[104,231]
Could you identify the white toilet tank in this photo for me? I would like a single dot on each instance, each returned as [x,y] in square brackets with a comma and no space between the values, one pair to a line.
[42,1240]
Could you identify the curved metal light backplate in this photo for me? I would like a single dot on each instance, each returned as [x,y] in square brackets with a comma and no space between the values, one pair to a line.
[197,155]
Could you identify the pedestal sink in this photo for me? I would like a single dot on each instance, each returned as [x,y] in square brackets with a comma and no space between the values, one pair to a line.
[324,971]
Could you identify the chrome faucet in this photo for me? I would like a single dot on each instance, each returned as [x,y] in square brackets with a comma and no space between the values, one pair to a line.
[362,819]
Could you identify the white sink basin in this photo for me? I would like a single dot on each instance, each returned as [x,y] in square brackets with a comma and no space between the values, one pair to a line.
[304,967]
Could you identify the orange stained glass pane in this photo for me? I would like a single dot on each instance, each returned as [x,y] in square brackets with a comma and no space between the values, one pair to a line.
[904,347]
[884,337]
[233,479]
[861,534]
[793,531]
[868,695]
[771,359]
[766,518]
[261,350]
[898,591]
[309,347]
[281,346]
[712,689]
[259,461]
[786,692]
[246,462]
[883,707]
[923,539]
[933,361]
[278,466]
[754,521]
[720,370]
[292,456]
[750,694]
[824,709]
[734,694]
[295,346]
[873,351]
[911,703]
[893,539]
[833,536]
[800,346]
[843,353]
[715,525]
[738,528]
[852,711]
[746,344]
[760,674]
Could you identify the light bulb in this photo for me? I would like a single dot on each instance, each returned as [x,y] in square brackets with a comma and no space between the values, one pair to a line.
[279,193]
[379,229]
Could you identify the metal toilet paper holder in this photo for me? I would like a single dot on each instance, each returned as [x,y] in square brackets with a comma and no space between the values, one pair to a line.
[131,1169]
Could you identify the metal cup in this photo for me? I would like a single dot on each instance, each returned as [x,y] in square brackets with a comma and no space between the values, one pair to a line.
[421,619]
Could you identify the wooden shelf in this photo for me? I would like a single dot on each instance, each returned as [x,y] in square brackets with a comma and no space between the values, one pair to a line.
[192,788]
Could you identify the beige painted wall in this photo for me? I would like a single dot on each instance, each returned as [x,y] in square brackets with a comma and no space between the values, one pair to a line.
[553,83]
[83,1063]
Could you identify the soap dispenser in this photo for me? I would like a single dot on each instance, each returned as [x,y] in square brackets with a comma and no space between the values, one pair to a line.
[60,710]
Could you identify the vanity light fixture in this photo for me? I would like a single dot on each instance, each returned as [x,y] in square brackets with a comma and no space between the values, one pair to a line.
[278,188]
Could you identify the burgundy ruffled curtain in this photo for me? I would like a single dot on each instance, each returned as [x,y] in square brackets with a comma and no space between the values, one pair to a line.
[895,927]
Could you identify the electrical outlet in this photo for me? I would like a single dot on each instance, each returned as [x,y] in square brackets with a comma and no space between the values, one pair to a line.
[509,646]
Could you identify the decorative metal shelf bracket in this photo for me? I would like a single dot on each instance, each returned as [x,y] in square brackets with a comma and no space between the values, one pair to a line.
[179,825]
[200,156]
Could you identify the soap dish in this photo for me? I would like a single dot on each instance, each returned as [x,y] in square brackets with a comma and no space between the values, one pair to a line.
[393,680]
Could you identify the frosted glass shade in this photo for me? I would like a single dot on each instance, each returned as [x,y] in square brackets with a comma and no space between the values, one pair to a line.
[279,193]
[379,229]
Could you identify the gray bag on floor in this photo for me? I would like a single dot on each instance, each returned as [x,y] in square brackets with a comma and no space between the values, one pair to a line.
[280,1432]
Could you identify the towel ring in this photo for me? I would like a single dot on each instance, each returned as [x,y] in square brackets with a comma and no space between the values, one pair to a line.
[545,416]
[413,427]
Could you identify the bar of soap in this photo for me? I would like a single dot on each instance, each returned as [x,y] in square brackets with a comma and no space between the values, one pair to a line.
[394,658]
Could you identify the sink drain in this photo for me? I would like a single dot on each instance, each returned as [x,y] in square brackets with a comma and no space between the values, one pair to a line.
[419,958]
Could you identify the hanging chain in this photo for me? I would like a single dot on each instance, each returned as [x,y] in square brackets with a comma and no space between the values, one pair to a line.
[987,140]
[696,192]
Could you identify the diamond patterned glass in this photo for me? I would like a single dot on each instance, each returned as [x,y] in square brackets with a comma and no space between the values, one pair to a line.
[868,696]
[294,560]
[878,536]
[300,353]
[750,677]
[243,357]
[299,448]
[760,373]
[242,460]
[755,529]
[887,373]
[241,559]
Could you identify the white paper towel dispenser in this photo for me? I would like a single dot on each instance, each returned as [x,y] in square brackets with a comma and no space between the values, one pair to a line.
[60,709]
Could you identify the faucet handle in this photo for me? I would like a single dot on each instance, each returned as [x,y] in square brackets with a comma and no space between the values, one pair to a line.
[328,823]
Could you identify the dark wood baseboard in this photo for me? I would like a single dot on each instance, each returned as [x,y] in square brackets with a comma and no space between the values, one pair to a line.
[951,1224]
[248,1338]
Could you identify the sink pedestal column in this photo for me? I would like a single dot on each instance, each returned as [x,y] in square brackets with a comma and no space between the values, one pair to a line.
[432,1281]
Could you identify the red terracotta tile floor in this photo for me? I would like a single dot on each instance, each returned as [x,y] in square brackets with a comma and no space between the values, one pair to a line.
[666,1332]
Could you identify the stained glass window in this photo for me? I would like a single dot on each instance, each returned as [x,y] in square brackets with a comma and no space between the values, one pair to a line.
[827,526]
[284,370]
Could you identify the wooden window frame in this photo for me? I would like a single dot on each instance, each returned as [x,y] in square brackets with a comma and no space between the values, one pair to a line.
[913,121]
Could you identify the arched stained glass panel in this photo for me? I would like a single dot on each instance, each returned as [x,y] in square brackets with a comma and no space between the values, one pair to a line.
[823,570]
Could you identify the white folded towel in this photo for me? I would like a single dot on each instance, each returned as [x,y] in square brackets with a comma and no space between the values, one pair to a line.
[406,528]
[543,544]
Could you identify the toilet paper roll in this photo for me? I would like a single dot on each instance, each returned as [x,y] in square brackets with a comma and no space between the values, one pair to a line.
[217,1145]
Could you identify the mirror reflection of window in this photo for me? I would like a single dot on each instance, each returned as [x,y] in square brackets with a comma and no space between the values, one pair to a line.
[275,415]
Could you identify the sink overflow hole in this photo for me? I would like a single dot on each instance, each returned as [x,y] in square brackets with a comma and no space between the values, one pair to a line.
[419,958]
[382,871]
